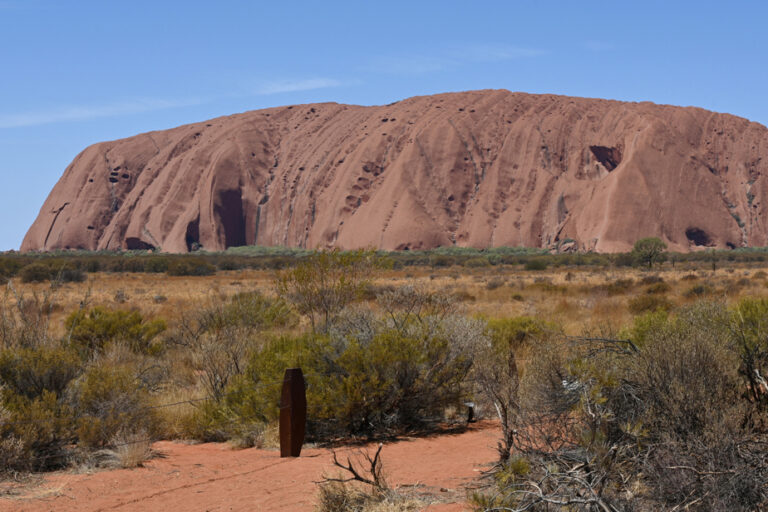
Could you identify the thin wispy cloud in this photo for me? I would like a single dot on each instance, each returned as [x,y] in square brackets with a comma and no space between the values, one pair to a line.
[298,85]
[71,113]
[86,112]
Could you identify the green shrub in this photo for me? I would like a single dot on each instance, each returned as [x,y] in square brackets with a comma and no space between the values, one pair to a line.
[29,372]
[39,421]
[749,323]
[649,251]
[191,267]
[617,287]
[496,282]
[644,325]
[91,331]
[670,411]
[649,303]
[9,267]
[389,383]
[733,287]
[658,287]
[37,431]
[220,334]
[156,264]
[35,273]
[514,332]
[441,260]
[64,273]
[652,279]
[249,309]
[69,274]
[536,264]
[626,259]
[325,282]
[109,401]
[13,457]
[477,262]
[698,290]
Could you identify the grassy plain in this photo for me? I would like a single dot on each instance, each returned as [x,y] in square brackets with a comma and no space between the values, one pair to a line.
[576,298]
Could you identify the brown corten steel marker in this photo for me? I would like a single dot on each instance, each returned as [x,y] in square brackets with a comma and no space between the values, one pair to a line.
[293,413]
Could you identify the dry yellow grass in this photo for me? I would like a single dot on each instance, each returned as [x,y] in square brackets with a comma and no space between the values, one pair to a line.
[132,450]
[570,297]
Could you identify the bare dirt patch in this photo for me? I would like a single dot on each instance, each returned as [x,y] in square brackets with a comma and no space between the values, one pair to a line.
[213,477]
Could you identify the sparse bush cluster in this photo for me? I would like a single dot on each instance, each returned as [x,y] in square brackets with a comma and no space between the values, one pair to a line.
[62,397]
[369,374]
[671,417]
[38,272]
[667,412]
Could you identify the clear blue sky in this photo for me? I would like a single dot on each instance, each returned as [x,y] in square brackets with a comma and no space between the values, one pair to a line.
[73,73]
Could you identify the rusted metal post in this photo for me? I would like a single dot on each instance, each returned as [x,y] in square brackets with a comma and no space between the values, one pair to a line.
[293,413]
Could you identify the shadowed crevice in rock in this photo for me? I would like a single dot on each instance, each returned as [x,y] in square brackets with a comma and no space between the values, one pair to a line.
[699,237]
[137,244]
[609,157]
[192,238]
[229,214]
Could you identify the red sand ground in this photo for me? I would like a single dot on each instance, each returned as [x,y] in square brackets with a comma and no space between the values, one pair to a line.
[213,477]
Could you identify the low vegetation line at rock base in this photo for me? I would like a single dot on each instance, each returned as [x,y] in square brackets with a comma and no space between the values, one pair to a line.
[616,387]
[67,266]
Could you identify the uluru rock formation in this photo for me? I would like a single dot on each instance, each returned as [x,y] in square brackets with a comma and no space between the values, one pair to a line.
[480,169]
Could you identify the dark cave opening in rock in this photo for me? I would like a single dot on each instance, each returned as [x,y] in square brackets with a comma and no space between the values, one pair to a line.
[699,237]
[137,244]
[228,210]
[192,237]
[608,156]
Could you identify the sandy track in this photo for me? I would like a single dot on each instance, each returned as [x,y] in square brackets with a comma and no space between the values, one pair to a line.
[212,477]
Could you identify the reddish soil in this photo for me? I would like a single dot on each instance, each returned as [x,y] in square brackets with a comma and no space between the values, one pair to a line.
[213,477]
[479,168]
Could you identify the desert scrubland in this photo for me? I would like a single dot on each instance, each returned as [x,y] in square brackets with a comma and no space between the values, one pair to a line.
[605,383]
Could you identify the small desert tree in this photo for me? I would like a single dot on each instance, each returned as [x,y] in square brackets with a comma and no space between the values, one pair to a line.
[325,282]
[649,251]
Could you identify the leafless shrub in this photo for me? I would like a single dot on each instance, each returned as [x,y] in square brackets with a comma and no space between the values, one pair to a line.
[220,334]
[220,355]
[325,283]
[24,319]
[14,458]
[363,489]
[372,474]
[412,303]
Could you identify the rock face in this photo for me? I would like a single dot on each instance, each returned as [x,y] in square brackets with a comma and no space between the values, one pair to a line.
[481,169]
